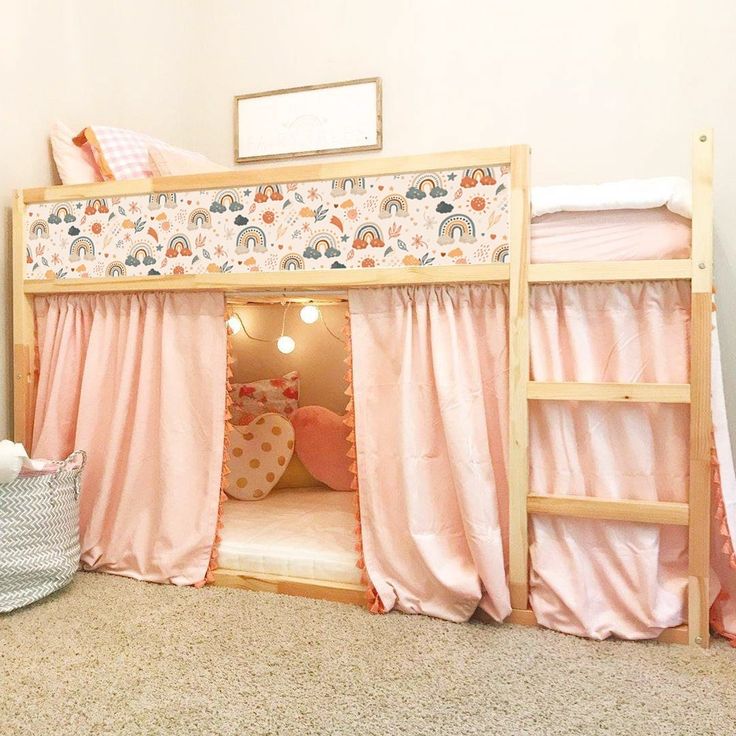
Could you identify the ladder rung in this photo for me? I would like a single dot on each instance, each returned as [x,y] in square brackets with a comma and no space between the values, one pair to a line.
[610,509]
[663,393]
[672,268]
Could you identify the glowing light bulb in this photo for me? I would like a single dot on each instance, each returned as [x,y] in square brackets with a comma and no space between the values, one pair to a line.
[285,344]
[234,324]
[309,314]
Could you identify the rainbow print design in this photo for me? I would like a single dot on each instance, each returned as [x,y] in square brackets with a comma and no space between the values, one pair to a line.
[355,185]
[501,254]
[481,175]
[115,269]
[162,199]
[426,184]
[292,262]
[82,247]
[251,239]
[199,218]
[460,225]
[268,191]
[393,205]
[178,246]
[140,253]
[378,221]
[226,199]
[62,212]
[96,205]
[322,244]
[368,235]
[39,230]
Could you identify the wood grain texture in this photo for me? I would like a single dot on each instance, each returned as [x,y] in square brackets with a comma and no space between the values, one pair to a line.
[275,175]
[610,509]
[24,389]
[319,589]
[607,271]
[662,393]
[700,401]
[281,281]
[518,472]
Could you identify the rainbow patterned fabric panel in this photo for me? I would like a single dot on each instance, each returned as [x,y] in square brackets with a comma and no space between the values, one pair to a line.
[389,221]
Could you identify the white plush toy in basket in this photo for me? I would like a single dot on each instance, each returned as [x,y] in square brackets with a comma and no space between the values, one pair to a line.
[39,530]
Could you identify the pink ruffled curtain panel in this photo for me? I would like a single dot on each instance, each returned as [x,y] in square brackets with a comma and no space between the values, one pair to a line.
[429,382]
[430,392]
[139,382]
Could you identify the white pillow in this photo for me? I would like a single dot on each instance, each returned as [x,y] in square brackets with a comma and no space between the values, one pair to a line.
[75,164]
[176,162]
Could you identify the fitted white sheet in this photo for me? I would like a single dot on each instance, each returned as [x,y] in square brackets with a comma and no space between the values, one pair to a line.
[295,532]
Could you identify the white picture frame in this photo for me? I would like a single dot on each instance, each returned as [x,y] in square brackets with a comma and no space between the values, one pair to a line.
[309,121]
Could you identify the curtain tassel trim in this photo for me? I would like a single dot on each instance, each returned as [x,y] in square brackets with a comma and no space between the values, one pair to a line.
[372,599]
[716,617]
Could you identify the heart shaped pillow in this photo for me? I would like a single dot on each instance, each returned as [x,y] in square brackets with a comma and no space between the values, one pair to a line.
[259,454]
[322,445]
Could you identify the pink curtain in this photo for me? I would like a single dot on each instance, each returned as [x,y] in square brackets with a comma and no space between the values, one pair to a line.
[601,578]
[430,393]
[429,369]
[138,381]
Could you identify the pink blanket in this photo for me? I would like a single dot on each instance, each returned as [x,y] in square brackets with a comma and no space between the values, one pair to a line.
[119,378]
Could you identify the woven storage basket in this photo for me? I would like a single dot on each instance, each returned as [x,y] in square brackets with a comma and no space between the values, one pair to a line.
[39,533]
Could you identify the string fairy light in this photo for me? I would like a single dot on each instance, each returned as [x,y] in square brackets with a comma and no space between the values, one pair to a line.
[286,344]
[310,314]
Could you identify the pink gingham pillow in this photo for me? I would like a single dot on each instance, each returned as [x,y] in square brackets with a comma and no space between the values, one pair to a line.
[123,154]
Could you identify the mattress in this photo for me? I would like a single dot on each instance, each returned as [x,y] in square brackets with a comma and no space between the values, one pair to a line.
[304,533]
[610,235]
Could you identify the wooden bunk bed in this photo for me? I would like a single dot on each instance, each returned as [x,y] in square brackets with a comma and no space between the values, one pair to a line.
[510,266]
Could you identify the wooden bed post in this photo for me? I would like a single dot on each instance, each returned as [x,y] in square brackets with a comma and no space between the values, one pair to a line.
[520,212]
[23,334]
[700,397]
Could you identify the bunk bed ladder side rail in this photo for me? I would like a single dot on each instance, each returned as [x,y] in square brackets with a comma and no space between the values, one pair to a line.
[23,334]
[699,496]
[695,513]
[518,473]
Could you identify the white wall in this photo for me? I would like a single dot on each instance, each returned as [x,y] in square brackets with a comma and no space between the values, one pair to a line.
[600,90]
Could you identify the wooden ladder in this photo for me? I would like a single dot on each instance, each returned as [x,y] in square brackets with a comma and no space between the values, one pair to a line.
[696,513]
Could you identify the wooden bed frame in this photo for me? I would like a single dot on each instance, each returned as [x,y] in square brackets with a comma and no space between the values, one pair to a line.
[519,273]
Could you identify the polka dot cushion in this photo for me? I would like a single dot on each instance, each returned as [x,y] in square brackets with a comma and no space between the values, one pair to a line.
[259,454]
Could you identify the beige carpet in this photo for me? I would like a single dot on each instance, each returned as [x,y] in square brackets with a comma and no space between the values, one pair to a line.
[113,656]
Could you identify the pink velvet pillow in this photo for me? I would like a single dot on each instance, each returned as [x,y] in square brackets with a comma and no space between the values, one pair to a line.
[322,445]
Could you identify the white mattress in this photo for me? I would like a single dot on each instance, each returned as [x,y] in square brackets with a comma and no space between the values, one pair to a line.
[295,532]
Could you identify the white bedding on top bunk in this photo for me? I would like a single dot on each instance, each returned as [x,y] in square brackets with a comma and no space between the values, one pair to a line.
[635,194]
[294,532]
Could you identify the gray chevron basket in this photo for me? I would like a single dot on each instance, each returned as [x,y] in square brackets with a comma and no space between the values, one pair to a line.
[39,533]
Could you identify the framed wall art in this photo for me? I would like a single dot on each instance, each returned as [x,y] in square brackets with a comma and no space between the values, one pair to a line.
[308,121]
